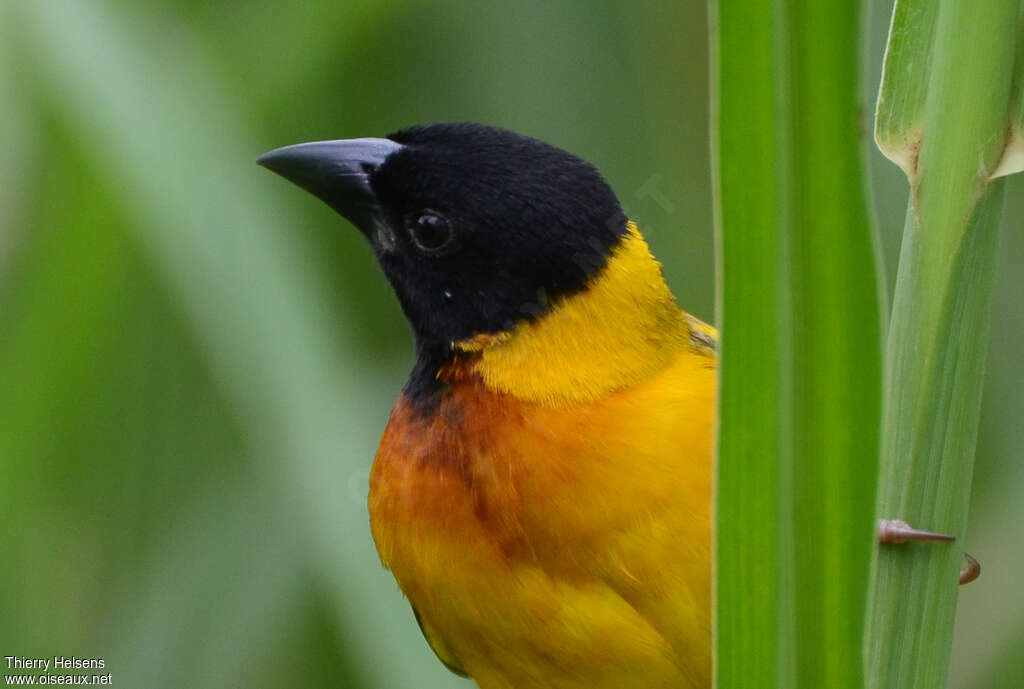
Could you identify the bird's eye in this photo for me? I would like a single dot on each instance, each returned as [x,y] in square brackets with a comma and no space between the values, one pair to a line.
[430,231]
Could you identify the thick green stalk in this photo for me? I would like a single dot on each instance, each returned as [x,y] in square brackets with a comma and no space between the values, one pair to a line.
[1013,157]
[801,360]
[949,138]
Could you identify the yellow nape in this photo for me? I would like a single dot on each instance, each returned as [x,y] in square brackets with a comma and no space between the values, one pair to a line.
[622,329]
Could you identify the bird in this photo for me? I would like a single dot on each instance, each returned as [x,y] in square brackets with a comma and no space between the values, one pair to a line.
[542,489]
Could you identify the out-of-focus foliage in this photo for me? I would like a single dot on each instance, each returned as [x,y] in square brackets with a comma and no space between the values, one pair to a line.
[196,359]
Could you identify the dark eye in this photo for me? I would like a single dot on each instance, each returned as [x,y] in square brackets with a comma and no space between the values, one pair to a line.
[430,231]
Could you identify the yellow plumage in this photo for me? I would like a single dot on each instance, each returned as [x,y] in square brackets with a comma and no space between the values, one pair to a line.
[549,521]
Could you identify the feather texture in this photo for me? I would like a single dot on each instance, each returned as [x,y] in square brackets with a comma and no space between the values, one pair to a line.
[551,531]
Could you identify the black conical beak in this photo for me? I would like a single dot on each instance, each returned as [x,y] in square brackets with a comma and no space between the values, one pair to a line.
[338,173]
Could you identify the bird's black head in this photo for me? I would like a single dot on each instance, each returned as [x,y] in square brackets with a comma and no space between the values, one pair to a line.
[475,227]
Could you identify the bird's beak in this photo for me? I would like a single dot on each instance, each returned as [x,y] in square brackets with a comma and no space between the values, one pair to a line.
[338,173]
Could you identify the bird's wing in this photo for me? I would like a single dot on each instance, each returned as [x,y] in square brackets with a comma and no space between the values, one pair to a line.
[703,337]
[441,650]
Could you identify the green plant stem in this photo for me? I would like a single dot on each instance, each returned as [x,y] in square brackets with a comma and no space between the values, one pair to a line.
[799,309]
[1013,157]
[953,138]
[932,408]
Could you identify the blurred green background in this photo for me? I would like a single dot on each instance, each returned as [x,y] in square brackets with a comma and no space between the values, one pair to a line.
[197,359]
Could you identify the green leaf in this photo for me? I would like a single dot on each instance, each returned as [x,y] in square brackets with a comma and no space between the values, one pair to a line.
[899,113]
[1013,156]
[800,313]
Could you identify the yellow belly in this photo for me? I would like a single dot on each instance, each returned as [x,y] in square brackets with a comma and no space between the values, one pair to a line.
[557,547]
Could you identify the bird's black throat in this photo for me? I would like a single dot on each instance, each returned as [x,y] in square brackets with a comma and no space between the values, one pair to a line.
[476,228]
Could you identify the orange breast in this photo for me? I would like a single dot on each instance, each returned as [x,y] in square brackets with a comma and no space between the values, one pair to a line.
[556,546]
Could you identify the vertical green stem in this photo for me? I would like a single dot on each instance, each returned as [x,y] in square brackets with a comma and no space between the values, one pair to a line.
[747,528]
[932,404]
[949,137]
[800,386]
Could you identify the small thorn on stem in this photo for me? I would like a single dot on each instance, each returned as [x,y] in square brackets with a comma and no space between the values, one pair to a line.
[971,570]
[898,531]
